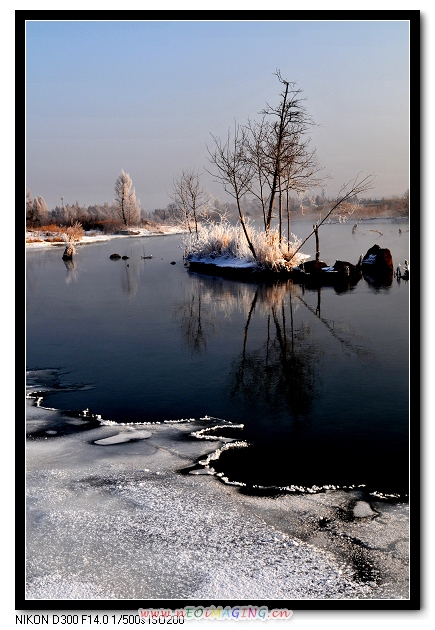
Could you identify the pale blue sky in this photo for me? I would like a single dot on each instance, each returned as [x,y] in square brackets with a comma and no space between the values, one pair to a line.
[144,96]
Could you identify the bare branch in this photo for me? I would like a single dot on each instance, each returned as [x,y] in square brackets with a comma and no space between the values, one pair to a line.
[358,186]
[234,170]
[190,198]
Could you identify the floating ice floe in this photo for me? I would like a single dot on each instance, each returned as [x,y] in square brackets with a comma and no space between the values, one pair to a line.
[202,471]
[125,436]
[362,509]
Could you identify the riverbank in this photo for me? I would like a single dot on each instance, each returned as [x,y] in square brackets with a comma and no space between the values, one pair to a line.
[122,512]
[40,240]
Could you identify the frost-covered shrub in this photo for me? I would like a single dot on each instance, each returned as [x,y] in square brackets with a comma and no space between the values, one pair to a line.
[74,233]
[72,236]
[217,240]
[273,254]
[224,241]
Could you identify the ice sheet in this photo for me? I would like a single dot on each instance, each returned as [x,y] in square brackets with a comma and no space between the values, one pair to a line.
[110,519]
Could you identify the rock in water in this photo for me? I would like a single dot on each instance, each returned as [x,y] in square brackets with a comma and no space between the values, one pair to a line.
[378,259]
[69,252]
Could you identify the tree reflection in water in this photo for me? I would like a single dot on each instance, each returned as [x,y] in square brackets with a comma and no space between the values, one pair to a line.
[299,433]
[71,271]
[197,318]
[281,371]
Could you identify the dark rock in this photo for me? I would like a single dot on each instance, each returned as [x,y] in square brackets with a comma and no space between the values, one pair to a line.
[173,262]
[377,266]
[378,260]
[68,252]
[125,257]
[115,256]
[345,267]
[343,275]
[313,266]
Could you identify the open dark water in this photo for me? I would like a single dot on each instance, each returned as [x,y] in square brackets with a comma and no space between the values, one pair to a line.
[319,378]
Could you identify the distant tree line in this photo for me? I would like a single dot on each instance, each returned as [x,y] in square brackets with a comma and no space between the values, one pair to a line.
[190,205]
[125,210]
[299,206]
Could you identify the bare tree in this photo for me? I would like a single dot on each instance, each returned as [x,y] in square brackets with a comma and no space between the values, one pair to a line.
[234,171]
[189,198]
[29,203]
[269,158]
[256,136]
[280,154]
[127,207]
[404,204]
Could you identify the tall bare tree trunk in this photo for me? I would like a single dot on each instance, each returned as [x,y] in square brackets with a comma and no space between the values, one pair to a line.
[242,221]
[316,233]
[277,170]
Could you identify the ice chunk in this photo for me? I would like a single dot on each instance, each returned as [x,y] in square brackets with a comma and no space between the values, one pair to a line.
[362,509]
[125,436]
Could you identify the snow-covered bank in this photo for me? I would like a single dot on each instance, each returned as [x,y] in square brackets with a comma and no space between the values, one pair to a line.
[95,237]
[114,519]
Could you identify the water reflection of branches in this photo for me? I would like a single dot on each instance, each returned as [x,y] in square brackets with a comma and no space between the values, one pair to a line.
[197,323]
[209,298]
[277,373]
[339,333]
[130,277]
[226,296]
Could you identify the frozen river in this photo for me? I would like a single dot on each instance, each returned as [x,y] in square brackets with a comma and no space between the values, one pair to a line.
[215,440]
[110,519]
